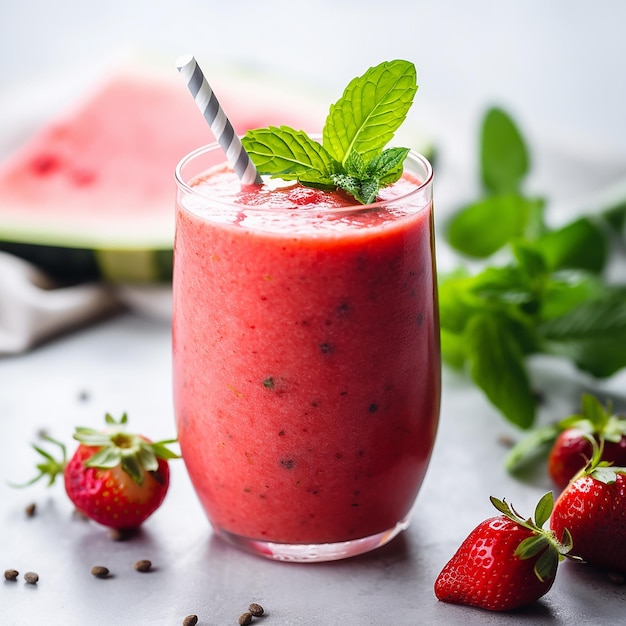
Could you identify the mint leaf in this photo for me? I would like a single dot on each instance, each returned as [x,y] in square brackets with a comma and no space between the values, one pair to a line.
[552,297]
[289,154]
[497,367]
[357,129]
[532,449]
[580,244]
[372,108]
[364,180]
[484,227]
[504,288]
[388,165]
[364,190]
[504,157]
[565,290]
[453,351]
[457,303]
[592,335]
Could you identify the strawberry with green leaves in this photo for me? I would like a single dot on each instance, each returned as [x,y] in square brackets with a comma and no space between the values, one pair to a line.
[506,562]
[572,448]
[592,511]
[568,445]
[115,478]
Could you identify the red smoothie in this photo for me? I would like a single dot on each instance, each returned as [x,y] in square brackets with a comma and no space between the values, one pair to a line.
[306,355]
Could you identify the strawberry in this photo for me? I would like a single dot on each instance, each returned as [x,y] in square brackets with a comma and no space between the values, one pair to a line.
[506,562]
[115,478]
[592,510]
[572,450]
[568,442]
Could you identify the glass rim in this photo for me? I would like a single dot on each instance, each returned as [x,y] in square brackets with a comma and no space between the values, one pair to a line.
[184,186]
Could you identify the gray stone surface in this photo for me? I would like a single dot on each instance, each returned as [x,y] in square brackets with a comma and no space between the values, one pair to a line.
[123,365]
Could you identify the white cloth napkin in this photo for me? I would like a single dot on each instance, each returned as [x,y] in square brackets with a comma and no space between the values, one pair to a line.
[33,308]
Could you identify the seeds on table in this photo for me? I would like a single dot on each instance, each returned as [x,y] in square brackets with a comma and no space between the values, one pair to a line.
[245,619]
[11,574]
[256,609]
[143,565]
[31,578]
[99,571]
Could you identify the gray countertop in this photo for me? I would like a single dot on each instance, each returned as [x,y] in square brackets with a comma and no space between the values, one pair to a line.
[122,364]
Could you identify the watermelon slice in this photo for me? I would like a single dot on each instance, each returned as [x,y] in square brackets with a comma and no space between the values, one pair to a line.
[90,195]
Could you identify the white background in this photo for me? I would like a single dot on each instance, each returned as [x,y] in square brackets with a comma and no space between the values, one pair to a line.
[559,66]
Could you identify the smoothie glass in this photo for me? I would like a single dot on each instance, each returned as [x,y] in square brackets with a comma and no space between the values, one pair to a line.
[305,358]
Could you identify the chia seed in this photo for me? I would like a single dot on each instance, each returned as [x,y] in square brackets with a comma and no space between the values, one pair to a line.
[190,620]
[144,565]
[99,571]
[31,578]
[30,509]
[256,609]
[245,619]
[11,574]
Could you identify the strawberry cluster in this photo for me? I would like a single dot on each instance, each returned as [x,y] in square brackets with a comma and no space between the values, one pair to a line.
[508,562]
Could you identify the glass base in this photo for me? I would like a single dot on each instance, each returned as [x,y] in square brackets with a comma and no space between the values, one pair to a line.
[315,552]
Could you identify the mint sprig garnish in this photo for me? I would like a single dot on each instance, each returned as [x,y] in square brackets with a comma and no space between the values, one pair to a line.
[547,293]
[352,155]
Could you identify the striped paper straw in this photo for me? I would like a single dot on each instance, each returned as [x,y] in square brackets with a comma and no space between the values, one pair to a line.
[213,113]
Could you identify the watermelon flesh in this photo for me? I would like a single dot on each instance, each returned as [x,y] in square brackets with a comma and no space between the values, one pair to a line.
[92,192]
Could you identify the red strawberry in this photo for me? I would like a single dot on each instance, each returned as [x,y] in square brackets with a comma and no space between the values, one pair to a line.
[567,442]
[573,449]
[592,510]
[115,478]
[505,563]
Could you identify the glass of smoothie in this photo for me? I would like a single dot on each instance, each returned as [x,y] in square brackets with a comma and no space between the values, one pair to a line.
[305,357]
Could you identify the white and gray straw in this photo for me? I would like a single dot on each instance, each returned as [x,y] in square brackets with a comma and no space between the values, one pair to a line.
[213,113]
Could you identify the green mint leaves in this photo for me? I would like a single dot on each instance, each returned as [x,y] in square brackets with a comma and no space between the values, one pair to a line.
[352,155]
[551,297]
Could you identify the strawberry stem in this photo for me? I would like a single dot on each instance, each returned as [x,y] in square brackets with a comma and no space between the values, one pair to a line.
[50,467]
[543,542]
[133,453]
[113,447]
